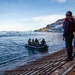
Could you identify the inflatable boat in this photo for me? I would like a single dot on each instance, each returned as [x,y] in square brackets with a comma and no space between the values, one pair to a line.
[36,47]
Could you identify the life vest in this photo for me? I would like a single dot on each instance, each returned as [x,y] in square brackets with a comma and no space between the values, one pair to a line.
[72,24]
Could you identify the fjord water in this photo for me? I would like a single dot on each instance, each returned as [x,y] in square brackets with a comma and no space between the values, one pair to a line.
[13,52]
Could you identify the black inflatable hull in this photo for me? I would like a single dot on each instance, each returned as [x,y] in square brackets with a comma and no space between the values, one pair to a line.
[36,47]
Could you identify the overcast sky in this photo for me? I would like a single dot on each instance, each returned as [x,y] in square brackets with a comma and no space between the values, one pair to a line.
[24,15]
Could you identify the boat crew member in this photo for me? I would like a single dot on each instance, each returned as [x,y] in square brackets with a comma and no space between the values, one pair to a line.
[33,42]
[36,42]
[29,42]
[43,42]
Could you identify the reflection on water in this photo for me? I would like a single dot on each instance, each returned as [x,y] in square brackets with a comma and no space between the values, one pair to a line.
[35,51]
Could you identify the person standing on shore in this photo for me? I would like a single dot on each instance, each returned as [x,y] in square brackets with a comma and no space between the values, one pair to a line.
[68,26]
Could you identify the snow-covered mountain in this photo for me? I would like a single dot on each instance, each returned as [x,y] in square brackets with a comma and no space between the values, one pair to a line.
[57,26]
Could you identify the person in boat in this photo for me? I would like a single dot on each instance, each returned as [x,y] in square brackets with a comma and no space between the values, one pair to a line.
[36,42]
[33,42]
[43,42]
[29,42]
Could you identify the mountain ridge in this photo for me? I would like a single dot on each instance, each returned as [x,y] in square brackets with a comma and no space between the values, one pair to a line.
[56,26]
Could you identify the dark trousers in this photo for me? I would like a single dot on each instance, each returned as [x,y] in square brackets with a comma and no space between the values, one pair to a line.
[68,42]
[74,41]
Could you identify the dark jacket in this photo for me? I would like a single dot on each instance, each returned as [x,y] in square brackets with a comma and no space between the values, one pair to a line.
[68,27]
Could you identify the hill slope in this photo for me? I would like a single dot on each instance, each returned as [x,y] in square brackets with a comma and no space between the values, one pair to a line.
[57,26]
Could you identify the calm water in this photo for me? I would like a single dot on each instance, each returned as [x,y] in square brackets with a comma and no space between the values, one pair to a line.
[12,50]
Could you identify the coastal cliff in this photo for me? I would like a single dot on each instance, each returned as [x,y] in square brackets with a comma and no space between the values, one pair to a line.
[57,26]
